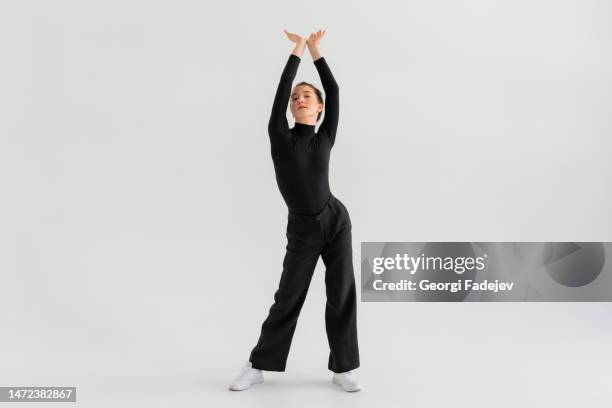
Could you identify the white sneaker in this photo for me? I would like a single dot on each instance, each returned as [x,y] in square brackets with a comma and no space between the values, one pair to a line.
[347,381]
[247,377]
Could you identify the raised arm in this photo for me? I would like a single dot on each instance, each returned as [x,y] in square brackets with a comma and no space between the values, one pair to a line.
[278,125]
[330,86]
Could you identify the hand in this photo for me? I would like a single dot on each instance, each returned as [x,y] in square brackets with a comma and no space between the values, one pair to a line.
[294,37]
[315,38]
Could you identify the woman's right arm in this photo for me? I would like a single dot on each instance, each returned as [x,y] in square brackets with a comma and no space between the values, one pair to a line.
[278,125]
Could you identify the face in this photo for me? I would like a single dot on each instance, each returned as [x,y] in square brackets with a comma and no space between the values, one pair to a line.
[304,104]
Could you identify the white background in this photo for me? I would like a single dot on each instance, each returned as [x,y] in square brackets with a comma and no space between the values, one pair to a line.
[142,231]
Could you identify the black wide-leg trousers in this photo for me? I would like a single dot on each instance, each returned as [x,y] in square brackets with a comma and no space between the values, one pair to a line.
[327,234]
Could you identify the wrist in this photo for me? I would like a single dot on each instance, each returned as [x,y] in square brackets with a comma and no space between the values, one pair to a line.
[314,53]
[298,49]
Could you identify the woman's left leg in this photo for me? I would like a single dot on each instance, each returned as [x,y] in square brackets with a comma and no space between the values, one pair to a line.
[341,306]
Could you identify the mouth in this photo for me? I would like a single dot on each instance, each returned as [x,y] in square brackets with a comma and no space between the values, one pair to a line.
[302,107]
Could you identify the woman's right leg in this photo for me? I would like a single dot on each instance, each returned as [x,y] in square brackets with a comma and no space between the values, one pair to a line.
[303,250]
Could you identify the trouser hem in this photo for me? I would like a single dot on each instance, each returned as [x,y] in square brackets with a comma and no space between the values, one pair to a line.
[266,367]
[344,369]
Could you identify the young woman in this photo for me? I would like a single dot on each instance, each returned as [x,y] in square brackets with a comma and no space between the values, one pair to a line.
[318,225]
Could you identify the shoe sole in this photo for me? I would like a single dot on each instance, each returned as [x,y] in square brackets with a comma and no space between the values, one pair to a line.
[248,386]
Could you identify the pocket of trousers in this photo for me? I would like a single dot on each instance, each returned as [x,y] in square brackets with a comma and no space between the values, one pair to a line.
[301,230]
[345,215]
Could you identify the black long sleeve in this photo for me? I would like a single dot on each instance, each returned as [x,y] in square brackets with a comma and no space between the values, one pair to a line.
[330,120]
[301,155]
[277,125]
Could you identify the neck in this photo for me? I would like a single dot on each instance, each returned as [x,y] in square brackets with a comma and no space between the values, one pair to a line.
[304,128]
[306,123]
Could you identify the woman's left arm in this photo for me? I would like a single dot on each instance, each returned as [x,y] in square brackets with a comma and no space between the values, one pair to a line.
[330,86]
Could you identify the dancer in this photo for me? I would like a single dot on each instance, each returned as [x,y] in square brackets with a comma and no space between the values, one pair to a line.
[318,225]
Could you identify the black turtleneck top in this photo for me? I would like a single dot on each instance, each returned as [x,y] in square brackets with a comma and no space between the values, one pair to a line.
[301,155]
